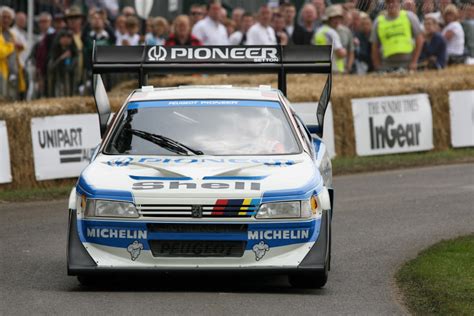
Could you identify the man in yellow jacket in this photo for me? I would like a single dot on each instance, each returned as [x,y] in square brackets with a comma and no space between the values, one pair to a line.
[12,79]
[327,35]
[396,38]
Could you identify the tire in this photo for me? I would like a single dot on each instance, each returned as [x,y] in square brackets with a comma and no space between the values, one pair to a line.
[315,280]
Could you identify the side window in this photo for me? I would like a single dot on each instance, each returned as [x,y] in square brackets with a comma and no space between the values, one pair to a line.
[304,131]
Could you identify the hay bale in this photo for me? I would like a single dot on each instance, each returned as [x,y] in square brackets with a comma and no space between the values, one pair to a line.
[301,88]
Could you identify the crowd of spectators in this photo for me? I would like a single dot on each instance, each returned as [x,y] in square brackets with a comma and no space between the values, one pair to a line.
[367,36]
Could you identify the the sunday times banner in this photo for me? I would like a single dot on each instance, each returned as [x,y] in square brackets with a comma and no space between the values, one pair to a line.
[395,124]
[307,112]
[5,170]
[461,109]
[63,144]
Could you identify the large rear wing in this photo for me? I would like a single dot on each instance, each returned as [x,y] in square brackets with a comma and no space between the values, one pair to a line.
[280,60]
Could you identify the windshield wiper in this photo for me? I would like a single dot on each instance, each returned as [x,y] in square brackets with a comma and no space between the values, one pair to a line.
[165,142]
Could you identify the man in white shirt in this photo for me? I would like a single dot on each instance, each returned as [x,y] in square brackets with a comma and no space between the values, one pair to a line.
[19,30]
[240,37]
[210,31]
[261,33]
[288,10]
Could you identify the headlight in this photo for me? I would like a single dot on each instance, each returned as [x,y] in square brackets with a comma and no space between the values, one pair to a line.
[280,210]
[103,208]
[293,209]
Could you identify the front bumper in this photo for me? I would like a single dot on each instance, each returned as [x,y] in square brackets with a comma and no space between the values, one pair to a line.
[80,262]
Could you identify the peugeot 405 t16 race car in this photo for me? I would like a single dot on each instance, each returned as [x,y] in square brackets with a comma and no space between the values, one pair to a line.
[201,178]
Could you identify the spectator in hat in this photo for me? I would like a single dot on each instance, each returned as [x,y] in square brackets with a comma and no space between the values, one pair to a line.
[239,37]
[433,55]
[396,38]
[261,33]
[327,35]
[182,33]
[304,33]
[63,65]
[210,30]
[453,33]
[75,20]
[159,32]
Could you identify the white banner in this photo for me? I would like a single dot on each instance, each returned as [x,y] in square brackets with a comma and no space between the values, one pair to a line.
[307,112]
[389,125]
[461,109]
[62,145]
[5,170]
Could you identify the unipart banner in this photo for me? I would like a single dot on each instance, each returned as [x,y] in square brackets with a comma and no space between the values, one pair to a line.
[307,112]
[5,170]
[461,109]
[63,145]
[389,125]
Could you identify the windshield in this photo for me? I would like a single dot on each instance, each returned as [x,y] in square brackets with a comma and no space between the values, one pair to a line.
[203,127]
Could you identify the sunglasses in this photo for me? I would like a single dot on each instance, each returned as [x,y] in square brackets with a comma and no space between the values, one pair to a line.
[196,13]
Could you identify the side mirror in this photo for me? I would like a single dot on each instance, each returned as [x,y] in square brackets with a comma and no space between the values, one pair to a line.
[101,102]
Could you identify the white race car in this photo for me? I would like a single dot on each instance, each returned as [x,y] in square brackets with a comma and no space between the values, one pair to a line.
[205,179]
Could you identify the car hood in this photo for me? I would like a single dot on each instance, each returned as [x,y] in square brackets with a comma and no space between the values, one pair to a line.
[146,179]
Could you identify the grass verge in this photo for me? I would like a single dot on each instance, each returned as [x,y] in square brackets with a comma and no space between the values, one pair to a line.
[440,281]
[348,165]
[37,194]
[341,165]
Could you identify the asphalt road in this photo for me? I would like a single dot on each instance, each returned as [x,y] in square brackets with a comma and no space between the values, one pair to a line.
[380,221]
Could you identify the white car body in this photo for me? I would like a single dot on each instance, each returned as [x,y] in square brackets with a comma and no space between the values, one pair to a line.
[203,212]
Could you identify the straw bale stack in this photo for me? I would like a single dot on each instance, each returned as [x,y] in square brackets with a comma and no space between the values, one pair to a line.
[301,88]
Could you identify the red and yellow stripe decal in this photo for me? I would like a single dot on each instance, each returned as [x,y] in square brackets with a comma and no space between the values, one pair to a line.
[233,207]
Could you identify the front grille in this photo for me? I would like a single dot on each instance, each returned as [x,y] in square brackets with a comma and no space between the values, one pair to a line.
[197,228]
[222,208]
[197,248]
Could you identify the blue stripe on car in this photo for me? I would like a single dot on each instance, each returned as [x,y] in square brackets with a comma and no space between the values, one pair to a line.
[145,178]
[312,187]
[288,233]
[202,103]
[91,192]
[235,178]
